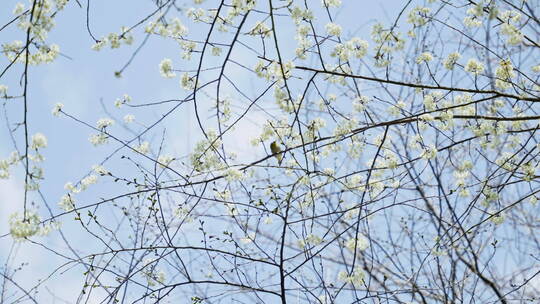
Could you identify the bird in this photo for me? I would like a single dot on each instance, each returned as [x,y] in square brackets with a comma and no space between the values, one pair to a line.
[276,150]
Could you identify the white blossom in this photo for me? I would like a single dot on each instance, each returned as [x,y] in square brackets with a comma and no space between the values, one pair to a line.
[418,16]
[99,139]
[164,160]
[333,29]
[99,169]
[165,68]
[187,82]
[88,180]
[233,174]
[356,277]
[429,152]
[331,3]
[57,109]
[21,227]
[39,141]
[216,51]
[66,203]
[451,60]
[504,74]
[103,123]
[424,57]
[260,29]
[143,148]
[361,243]
[474,67]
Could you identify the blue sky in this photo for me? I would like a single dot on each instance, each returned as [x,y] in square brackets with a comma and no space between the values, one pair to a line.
[85,80]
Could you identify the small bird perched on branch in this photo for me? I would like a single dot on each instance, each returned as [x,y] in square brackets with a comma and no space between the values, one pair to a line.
[276,150]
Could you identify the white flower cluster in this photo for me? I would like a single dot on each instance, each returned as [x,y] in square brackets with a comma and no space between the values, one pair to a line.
[510,27]
[359,103]
[39,141]
[188,47]
[418,16]
[103,123]
[466,101]
[355,182]
[283,101]
[166,69]
[216,51]
[205,156]
[333,29]
[355,47]
[174,28]
[12,160]
[361,243]
[260,29]
[277,130]
[198,14]
[345,127]
[183,213]
[233,174]
[187,82]
[223,195]
[44,53]
[529,171]
[397,109]
[304,44]
[338,68]
[121,101]
[101,138]
[461,174]
[153,275]
[165,160]
[99,169]
[299,14]
[504,74]
[40,24]
[474,15]
[429,152]
[387,42]
[331,3]
[273,71]
[88,180]
[431,99]
[474,67]
[114,40]
[314,127]
[143,148]
[497,218]
[67,201]
[490,196]
[98,139]
[451,60]
[356,146]
[57,109]
[22,227]
[239,7]
[424,57]
[309,241]
[224,107]
[356,277]
[388,160]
